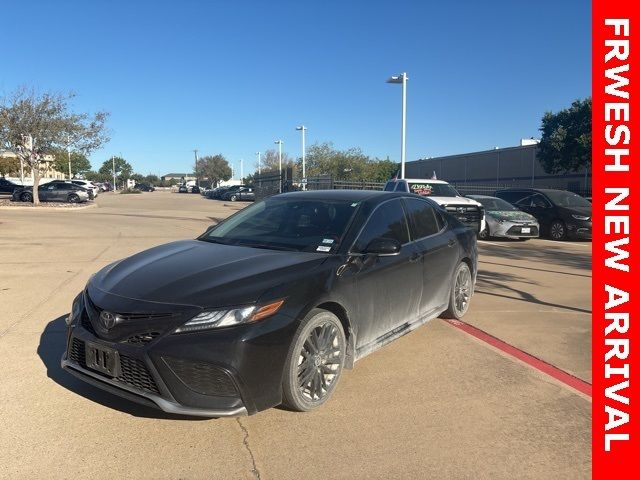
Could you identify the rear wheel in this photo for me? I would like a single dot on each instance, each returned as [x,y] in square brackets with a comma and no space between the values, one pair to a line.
[73,198]
[233,198]
[26,197]
[314,362]
[461,292]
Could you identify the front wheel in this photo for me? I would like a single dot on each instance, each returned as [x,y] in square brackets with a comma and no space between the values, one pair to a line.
[461,292]
[73,198]
[557,230]
[315,361]
[26,197]
[233,198]
[484,234]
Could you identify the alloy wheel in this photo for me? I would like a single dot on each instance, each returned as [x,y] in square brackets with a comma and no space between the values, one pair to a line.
[319,362]
[462,290]
[557,230]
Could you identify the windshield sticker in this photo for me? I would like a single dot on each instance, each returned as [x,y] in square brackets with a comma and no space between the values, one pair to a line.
[327,240]
[354,204]
[323,248]
[422,189]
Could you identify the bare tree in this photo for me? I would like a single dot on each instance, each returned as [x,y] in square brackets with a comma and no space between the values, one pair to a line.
[270,162]
[34,125]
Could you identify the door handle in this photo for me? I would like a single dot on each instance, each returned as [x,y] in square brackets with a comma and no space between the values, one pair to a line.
[451,242]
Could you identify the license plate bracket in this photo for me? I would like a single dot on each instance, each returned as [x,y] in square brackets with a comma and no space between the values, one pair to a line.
[526,230]
[102,359]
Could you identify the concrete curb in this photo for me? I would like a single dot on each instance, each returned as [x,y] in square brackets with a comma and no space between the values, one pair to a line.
[55,209]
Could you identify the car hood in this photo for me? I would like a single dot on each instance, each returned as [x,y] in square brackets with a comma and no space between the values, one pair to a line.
[511,215]
[453,200]
[193,272]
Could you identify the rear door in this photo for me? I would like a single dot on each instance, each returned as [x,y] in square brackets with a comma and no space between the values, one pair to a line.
[539,206]
[389,288]
[437,247]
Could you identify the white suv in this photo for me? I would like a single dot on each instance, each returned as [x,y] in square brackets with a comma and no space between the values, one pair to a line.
[88,185]
[466,210]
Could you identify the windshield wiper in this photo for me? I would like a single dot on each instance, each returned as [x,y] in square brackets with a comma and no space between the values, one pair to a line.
[266,245]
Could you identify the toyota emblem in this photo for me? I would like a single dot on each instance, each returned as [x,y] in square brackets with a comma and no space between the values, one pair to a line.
[108,320]
[461,209]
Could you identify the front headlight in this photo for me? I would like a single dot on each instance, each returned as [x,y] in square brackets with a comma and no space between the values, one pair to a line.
[226,318]
[580,217]
[76,310]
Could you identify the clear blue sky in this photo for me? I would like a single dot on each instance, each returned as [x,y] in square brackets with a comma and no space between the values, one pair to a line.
[231,77]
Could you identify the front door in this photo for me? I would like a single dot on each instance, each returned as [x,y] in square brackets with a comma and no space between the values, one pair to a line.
[389,287]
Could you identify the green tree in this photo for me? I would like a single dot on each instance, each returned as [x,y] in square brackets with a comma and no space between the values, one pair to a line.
[123,169]
[97,176]
[565,145]
[35,125]
[269,162]
[380,170]
[9,166]
[213,167]
[152,179]
[80,164]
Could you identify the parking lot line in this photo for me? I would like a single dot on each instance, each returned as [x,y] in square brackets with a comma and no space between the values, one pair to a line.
[551,370]
[497,244]
[577,244]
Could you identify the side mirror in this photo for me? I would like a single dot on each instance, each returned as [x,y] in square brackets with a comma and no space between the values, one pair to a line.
[383,247]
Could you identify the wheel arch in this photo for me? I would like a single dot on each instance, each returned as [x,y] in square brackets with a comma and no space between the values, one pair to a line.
[339,311]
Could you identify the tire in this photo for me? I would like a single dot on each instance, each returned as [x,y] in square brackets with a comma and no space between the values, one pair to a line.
[73,198]
[461,292]
[484,234]
[315,361]
[26,197]
[557,230]
[233,198]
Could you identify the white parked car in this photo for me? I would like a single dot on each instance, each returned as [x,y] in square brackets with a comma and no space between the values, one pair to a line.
[466,210]
[88,185]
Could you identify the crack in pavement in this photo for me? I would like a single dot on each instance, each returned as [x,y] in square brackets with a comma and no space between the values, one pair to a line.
[254,469]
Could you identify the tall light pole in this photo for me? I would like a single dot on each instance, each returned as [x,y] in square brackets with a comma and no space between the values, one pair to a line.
[241,169]
[113,170]
[258,155]
[279,143]
[195,170]
[303,129]
[402,79]
[69,158]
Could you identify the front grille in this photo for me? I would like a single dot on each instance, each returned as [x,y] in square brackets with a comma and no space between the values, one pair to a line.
[469,215]
[203,378]
[134,372]
[86,323]
[517,230]
[142,338]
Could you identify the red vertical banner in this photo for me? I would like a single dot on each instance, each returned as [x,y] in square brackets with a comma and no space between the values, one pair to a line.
[616,432]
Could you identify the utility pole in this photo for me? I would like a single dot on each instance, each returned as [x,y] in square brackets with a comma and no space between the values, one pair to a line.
[303,129]
[258,154]
[195,170]
[279,143]
[113,171]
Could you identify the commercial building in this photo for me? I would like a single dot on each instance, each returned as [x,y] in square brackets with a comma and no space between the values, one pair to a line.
[501,167]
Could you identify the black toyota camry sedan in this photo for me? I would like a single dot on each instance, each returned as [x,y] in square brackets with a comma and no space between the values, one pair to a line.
[269,306]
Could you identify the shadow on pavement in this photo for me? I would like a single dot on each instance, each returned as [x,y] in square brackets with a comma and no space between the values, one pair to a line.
[53,343]
[535,252]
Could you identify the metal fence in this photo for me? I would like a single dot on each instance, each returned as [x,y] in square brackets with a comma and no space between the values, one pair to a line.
[269,184]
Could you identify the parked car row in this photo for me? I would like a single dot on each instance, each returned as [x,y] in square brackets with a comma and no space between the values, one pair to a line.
[55,191]
[232,193]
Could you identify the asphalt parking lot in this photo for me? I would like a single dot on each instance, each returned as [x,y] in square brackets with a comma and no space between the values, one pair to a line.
[437,403]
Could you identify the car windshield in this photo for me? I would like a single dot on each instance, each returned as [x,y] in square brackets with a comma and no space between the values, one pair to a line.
[492,204]
[567,199]
[428,189]
[304,225]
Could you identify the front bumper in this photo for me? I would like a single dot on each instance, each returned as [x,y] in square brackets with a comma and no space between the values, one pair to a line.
[509,229]
[227,372]
[579,229]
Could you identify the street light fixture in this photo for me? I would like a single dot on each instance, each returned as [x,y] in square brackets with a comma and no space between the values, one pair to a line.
[279,143]
[402,79]
[303,129]
[258,155]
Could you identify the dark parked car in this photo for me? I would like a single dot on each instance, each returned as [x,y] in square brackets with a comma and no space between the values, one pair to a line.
[183,189]
[145,187]
[7,186]
[242,193]
[221,191]
[560,213]
[56,191]
[194,189]
[268,306]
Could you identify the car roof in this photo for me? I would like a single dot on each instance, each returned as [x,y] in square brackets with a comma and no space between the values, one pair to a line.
[370,196]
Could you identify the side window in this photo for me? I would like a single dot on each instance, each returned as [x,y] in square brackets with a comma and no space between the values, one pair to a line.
[423,218]
[401,187]
[389,186]
[387,221]
[511,197]
[63,186]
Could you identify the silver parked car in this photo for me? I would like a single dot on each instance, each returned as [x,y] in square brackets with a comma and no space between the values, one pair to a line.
[53,192]
[505,220]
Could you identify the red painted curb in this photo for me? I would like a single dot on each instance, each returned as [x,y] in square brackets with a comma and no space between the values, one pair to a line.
[560,375]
